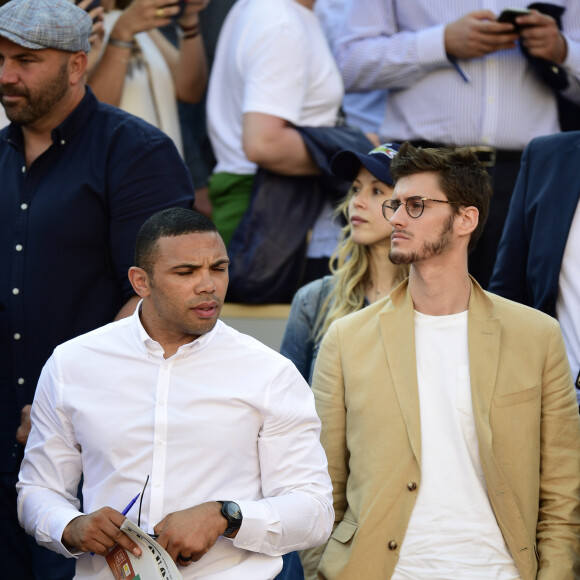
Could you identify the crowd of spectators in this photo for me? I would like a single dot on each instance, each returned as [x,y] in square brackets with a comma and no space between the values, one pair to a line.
[239,90]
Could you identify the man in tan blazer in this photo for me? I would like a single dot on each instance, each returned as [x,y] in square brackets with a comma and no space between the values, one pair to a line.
[448,414]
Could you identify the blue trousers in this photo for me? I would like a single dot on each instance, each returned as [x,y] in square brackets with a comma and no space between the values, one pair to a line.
[292,569]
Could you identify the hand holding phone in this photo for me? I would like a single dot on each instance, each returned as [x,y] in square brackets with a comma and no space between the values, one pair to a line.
[509,15]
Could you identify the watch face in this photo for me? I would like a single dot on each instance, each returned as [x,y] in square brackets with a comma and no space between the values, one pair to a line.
[232,510]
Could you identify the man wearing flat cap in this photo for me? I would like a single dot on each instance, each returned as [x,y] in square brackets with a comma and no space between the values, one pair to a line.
[78,180]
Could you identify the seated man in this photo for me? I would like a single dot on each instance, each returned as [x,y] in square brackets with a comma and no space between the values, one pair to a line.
[448,414]
[225,427]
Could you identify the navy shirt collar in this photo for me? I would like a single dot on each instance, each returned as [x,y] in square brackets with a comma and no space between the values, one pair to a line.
[67,129]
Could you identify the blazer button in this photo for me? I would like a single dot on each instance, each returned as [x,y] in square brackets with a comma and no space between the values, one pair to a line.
[392,545]
[411,486]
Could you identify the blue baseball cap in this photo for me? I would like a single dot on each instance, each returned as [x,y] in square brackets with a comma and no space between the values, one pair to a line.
[346,164]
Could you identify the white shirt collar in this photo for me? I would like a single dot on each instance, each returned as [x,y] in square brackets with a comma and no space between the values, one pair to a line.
[152,347]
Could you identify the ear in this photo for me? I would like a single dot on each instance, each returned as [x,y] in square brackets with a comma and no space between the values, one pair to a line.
[140,281]
[468,219]
[77,66]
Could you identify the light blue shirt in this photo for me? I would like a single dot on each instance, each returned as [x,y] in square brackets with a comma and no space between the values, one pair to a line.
[399,45]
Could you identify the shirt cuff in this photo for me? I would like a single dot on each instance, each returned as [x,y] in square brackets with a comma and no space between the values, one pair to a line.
[431,47]
[252,533]
[571,63]
[62,519]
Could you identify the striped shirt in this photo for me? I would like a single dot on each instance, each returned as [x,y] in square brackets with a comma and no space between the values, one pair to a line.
[399,45]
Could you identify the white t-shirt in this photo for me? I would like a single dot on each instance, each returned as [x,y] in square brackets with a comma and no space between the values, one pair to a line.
[452,532]
[273,58]
[568,302]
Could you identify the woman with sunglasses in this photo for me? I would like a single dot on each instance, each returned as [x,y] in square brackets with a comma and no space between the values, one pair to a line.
[361,270]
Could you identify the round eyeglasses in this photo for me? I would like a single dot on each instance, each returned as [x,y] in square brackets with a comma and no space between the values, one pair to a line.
[415,205]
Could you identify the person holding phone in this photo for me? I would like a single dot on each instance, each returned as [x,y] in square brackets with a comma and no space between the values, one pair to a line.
[140,71]
[459,77]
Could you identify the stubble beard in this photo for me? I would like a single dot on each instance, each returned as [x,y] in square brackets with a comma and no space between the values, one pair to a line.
[429,249]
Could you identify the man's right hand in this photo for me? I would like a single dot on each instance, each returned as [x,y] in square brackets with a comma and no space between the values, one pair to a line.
[477,34]
[98,532]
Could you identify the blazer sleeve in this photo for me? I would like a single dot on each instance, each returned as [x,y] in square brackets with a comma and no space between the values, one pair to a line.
[329,395]
[558,528]
[509,278]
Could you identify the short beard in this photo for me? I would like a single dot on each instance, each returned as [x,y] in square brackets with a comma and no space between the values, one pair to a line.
[41,104]
[429,249]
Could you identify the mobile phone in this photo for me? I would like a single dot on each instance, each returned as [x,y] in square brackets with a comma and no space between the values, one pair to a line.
[510,15]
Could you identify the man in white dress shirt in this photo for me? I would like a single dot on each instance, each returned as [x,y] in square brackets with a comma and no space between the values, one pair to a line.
[225,427]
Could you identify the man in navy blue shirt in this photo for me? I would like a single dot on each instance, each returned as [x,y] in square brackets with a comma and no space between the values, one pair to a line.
[77,180]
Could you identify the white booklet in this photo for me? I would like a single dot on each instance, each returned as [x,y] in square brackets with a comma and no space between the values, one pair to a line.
[154,562]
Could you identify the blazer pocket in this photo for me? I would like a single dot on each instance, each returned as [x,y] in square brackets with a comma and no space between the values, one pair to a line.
[516,398]
[344,531]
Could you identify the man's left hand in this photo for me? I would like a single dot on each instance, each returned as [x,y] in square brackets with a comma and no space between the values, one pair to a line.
[540,35]
[189,534]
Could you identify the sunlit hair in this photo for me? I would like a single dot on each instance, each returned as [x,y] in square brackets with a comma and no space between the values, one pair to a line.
[350,267]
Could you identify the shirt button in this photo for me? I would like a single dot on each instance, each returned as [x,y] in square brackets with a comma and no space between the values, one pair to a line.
[15,291]
[411,486]
[24,169]
[392,545]
[19,247]
[157,484]
[24,206]
[63,142]
[17,336]
[20,381]
[159,442]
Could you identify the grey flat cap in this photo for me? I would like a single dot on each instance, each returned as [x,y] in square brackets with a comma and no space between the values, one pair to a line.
[40,24]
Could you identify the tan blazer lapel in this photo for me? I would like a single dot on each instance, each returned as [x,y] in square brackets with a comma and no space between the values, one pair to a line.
[397,328]
[484,349]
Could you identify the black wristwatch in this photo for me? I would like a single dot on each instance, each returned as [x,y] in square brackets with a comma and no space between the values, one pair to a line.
[233,514]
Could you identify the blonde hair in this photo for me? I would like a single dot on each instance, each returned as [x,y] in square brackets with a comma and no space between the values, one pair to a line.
[349,266]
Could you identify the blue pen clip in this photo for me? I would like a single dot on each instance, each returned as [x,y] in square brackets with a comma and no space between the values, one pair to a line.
[458,68]
[131,504]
